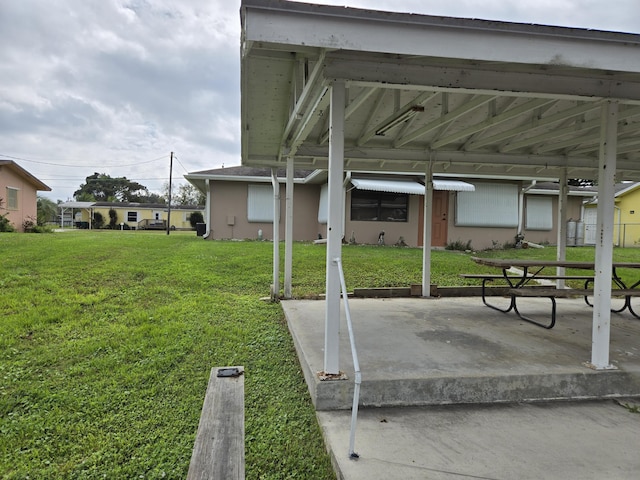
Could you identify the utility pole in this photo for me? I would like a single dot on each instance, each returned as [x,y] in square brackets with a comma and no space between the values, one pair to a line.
[169,203]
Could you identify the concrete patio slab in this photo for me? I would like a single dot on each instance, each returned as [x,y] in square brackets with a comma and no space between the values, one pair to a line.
[416,351]
[470,388]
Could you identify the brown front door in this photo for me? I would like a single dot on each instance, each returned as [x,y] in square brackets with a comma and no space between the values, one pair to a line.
[438,219]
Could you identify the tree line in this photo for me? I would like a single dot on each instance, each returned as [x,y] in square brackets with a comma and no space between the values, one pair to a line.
[101,187]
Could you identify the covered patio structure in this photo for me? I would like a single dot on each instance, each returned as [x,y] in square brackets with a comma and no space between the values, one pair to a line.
[350,90]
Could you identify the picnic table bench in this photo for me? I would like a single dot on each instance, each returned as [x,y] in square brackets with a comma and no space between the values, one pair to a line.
[524,285]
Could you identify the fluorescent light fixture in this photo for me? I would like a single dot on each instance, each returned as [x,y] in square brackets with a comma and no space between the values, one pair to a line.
[398,118]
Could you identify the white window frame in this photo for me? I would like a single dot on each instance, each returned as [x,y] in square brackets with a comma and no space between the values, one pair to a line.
[539,213]
[492,205]
[12,198]
[129,212]
[259,203]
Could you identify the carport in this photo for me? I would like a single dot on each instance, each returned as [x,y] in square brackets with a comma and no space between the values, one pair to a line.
[351,90]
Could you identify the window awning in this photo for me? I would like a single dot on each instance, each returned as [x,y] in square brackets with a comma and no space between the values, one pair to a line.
[453,185]
[410,187]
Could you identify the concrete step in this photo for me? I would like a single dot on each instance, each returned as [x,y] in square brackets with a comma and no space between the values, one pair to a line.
[416,351]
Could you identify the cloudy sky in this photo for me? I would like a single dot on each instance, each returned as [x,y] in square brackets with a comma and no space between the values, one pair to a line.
[114,86]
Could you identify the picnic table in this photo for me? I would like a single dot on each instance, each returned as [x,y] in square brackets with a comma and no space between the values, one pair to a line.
[524,283]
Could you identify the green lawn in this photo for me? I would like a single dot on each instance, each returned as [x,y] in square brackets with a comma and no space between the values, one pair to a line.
[106,345]
[108,338]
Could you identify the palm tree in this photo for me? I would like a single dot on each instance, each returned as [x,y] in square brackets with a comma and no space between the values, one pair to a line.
[47,210]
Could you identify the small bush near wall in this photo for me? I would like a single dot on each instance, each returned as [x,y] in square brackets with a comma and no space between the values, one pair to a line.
[195,218]
[113,219]
[459,245]
[5,225]
[30,226]
[98,220]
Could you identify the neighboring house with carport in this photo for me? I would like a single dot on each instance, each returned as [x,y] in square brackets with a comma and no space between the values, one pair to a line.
[626,221]
[132,216]
[19,193]
[482,212]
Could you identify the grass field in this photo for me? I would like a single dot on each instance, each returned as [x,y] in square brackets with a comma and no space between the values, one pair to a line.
[106,345]
[108,338]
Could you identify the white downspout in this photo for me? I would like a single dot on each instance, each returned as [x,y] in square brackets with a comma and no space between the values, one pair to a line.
[207,209]
[561,252]
[275,286]
[521,205]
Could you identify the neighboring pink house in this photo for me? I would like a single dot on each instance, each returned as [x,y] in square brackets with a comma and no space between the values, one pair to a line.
[486,212]
[19,194]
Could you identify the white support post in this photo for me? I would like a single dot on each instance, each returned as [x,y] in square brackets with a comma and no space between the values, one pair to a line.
[334,230]
[288,232]
[604,238]
[207,208]
[561,253]
[426,237]
[275,286]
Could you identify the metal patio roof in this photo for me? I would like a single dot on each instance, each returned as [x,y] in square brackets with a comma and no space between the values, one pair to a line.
[474,97]
[409,186]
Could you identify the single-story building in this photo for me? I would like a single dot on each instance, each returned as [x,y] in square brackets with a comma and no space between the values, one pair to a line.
[626,221]
[19,193]
[481,212]
[131,216]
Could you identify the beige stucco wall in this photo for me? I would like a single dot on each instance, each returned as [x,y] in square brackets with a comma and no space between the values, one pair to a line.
[229,213]
[27,198]
[229,205]
[487,237]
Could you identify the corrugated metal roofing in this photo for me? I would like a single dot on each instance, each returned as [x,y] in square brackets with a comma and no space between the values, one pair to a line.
[77,204]
[410,187]
[453,185]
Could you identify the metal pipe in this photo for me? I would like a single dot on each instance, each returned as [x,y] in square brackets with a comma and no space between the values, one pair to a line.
[356,364]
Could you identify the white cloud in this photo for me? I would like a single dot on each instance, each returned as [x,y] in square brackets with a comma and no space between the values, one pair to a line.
[103,85]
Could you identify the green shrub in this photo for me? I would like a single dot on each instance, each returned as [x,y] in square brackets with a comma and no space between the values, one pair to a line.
[458,245]
[113,219]
[98,220]
[195,218]
[5,225]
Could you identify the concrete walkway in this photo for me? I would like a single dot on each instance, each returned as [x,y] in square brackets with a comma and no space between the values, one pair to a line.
[471,391]
[564,441]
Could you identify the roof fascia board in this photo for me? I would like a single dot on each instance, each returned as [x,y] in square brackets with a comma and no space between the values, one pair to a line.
[313,176]
[21,172]
[630,188]
[409,34]
[241,178]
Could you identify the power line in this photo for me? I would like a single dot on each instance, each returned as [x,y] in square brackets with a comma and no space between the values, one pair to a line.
[82,165]
[183,167]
